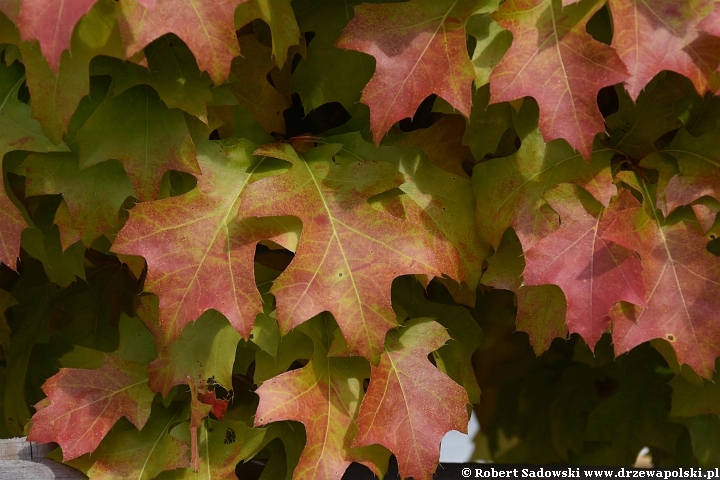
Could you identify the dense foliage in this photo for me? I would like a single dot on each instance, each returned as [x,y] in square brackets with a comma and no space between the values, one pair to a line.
[312,233]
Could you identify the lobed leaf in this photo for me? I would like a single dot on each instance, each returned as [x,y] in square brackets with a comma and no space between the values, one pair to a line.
[85,404]
[410,405]
[419,48]
[550,43]
[349,253]
[137,129]
[673,25]
[682,278]
[206,28]
[593,273]
[194,246]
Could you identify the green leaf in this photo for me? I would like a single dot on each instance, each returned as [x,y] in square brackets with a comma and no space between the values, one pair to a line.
[32,316]
[140,455]
[94,195]
[171,70]
[637,125]
[279,16]
[329,74]
[511,189]
[204,350]
[56,95]
[487,124]
[541,309]
[492,42]
[137,129]
[455,357]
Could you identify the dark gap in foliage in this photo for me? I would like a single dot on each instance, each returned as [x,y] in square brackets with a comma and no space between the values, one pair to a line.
[600,26]
[277,259]
[176,183]
[294,116]
[299,363]
[24,93]
[262,32]
[423,117]
[269,79]
[297,58]
[471,43]
[431,359]
[665,140]
[713,246]
[324,118]
[608,101]
[214,135]
[309,37]
[8,277]
[273,456]
[467,166]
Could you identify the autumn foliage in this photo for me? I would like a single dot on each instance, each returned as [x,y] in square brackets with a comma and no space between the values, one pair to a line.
[312,233]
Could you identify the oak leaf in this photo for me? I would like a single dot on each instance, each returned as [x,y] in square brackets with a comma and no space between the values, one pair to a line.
[11,9]
[554,60]
[410,405]
[206,28]
[93,195]
[324,396]
[85,404]
[19,131]
[433,197]
[442,143]
[541,309]
[51,23]
[455,357]
[682,279]
[138,129]
[509,191]
[279,16]
[641,26]
[638,124]
[141,455]
[57,93]
[221,446]
[343,263]
[171,70]
[699,163]
[248,83]
[198,256]
[327,73]
[420,49]
[200,354]
[593,273]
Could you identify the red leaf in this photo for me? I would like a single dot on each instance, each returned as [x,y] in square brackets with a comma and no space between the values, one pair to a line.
[711,23]
[85,404]
[349,253]
[197,257]
[593,273]
[323,396]
[206,27]
[410,405]
[699,163]
[642,27]
[51,22]
[420,49]
[219,407]
[554,60]
[683,284]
